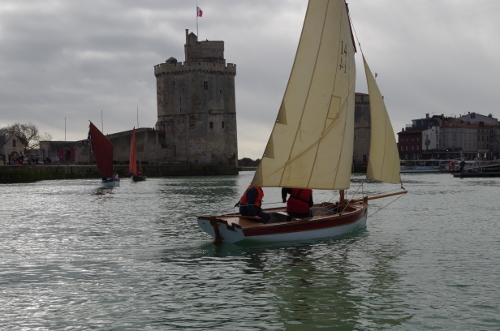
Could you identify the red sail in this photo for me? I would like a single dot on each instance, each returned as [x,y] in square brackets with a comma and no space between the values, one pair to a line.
[132,167]
[103,151]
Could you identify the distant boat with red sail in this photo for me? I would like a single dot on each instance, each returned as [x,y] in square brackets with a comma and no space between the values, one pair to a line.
[132,168]
[102,149]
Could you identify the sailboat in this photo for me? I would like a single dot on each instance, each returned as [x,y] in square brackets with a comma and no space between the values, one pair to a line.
[311,144]
[102,149]
[132,167]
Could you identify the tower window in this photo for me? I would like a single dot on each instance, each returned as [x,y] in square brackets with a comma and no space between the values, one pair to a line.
[223,124]
[211,125]
[205,85]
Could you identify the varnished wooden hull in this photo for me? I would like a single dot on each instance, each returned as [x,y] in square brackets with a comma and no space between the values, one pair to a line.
[231,228]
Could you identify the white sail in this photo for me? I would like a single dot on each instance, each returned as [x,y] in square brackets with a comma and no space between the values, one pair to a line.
[311,144]
[383,162]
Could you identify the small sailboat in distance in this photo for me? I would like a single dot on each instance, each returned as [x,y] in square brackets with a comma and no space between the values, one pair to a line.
[311,145]
[102,149]
[132,167]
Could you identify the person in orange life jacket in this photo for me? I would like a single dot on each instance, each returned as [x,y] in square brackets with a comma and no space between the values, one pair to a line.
[300,202]
[250,204]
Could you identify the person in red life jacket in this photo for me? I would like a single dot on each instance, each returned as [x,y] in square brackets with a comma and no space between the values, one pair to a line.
[251,202]
[300,202]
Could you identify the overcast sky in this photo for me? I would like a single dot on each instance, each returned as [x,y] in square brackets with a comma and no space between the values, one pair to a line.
[69,61]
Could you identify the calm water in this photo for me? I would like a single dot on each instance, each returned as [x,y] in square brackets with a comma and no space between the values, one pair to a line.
[74,257]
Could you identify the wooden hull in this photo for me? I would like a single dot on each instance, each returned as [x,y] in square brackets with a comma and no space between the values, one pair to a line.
[231,228]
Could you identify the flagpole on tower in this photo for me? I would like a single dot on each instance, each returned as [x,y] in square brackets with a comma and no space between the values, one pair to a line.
[199,13]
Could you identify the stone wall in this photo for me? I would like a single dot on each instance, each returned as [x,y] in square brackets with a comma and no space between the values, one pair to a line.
[362,129]
[26,174]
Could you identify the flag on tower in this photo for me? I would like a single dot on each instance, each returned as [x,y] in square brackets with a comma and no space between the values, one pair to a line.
[199,12]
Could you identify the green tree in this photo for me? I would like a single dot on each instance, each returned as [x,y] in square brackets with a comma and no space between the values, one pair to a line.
[27,134]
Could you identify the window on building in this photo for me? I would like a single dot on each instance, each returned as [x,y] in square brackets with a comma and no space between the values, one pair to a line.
[211,125]
[205,85]
[14,142]
[223,124]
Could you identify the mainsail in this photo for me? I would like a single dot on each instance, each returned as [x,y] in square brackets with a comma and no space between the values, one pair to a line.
[383,162]
[103,151]
[311,144]
[132,167]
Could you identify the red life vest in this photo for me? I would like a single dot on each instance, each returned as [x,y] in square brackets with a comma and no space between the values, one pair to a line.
[299,201]
[258,201]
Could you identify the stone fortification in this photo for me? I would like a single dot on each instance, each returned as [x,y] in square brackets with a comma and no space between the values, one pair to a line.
[362,129]
[196,105]
[196,119]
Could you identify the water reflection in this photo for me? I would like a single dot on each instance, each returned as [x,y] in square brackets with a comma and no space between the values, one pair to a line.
[135,259]
[103,191]
[342,283]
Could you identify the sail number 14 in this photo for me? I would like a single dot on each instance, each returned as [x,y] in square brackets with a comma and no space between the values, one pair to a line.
[343,57]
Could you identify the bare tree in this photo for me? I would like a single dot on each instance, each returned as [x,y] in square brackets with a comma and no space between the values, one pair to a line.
[27,134]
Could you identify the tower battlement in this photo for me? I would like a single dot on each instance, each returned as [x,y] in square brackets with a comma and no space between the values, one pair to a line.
[172,67]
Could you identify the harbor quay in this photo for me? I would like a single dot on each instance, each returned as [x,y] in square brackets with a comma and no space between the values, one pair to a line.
[33,173]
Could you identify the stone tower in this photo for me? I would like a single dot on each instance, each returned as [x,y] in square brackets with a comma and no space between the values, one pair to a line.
[196,105]
[362,128]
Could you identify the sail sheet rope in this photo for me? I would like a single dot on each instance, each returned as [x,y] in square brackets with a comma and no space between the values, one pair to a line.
[385,206]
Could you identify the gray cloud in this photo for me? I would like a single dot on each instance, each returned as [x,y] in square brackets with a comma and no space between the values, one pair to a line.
[73,59]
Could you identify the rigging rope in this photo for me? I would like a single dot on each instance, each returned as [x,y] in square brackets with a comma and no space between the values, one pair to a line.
[385,206]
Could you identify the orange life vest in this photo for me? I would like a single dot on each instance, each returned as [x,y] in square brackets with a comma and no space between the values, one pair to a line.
[258,201]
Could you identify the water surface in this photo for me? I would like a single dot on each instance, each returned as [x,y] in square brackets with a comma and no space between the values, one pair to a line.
[76,257]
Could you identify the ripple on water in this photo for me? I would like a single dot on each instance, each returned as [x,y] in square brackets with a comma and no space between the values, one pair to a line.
[76,257]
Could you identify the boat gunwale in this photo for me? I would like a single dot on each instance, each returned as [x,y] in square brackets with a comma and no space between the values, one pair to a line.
[316,222]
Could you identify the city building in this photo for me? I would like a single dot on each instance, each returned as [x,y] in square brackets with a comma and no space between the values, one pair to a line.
[10,147]
[470,137]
